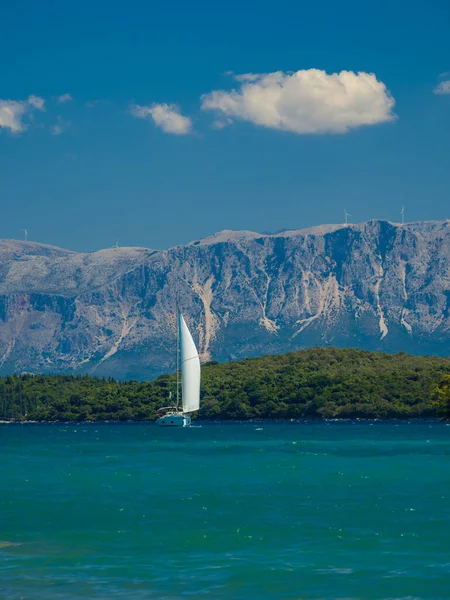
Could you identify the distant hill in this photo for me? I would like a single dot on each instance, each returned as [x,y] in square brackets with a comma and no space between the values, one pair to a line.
[378,285]
[314,383]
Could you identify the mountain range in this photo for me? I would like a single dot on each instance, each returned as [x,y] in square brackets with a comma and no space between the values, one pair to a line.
[377,285]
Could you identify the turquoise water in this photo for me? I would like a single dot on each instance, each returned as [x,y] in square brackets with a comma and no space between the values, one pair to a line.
[353,510]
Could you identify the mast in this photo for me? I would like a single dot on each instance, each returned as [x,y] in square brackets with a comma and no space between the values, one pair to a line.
[178,354]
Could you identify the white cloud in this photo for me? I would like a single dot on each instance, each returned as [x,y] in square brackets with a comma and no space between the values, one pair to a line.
[60,127]
[307,101]
[442,88]
[64,98]
[165,116]
[13,112]
[37,102]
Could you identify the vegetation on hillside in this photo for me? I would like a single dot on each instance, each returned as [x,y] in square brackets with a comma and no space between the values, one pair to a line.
[442,398]
[313,383]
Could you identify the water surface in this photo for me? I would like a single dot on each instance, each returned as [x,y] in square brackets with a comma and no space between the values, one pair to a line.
[354,510]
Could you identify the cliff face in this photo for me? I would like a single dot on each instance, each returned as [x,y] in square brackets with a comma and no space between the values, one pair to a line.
[378,286]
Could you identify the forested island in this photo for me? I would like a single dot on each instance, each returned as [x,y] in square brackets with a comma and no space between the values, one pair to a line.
[313,383]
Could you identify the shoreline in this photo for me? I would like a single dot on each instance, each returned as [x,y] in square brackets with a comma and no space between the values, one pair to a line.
[435,419]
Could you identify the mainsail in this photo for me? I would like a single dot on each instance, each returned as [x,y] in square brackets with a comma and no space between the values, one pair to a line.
[190,368]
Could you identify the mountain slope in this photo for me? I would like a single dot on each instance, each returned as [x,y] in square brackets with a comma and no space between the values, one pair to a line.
[376,285]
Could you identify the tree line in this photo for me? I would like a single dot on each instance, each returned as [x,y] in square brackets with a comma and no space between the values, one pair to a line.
[313,383]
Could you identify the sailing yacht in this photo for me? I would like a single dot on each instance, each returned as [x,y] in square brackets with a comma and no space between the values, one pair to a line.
[173,416]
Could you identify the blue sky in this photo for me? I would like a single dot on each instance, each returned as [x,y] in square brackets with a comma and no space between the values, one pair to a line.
[100,166]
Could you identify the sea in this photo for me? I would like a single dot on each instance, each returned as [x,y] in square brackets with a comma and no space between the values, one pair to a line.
[254,510]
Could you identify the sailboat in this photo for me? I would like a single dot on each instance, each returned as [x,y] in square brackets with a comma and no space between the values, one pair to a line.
[173,416]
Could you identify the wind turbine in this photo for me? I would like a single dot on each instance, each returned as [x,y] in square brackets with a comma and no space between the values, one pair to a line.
[346,216]
[403,214]
[25,232]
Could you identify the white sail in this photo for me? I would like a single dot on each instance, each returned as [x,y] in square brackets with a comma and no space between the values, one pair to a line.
[190,368]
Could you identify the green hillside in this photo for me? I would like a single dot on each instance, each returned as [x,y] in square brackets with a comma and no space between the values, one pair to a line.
[313,383]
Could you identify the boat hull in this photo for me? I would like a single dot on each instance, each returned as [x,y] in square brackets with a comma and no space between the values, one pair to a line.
[174,421]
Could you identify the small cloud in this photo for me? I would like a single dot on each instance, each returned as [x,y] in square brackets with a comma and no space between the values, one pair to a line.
[304,102]
[442,88]
[220,123]
[94,103]
[13,112]
[247,77]
[60,127]
[64,98]
[37,102]
[165,116]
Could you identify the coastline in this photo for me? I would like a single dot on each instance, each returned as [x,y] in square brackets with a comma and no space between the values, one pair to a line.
[435,419]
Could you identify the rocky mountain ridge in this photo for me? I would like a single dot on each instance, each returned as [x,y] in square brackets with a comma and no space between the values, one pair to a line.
[376,285]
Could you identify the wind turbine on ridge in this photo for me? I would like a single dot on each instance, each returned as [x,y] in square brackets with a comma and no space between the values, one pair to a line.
[346,216]
[25,232]
[403,214]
